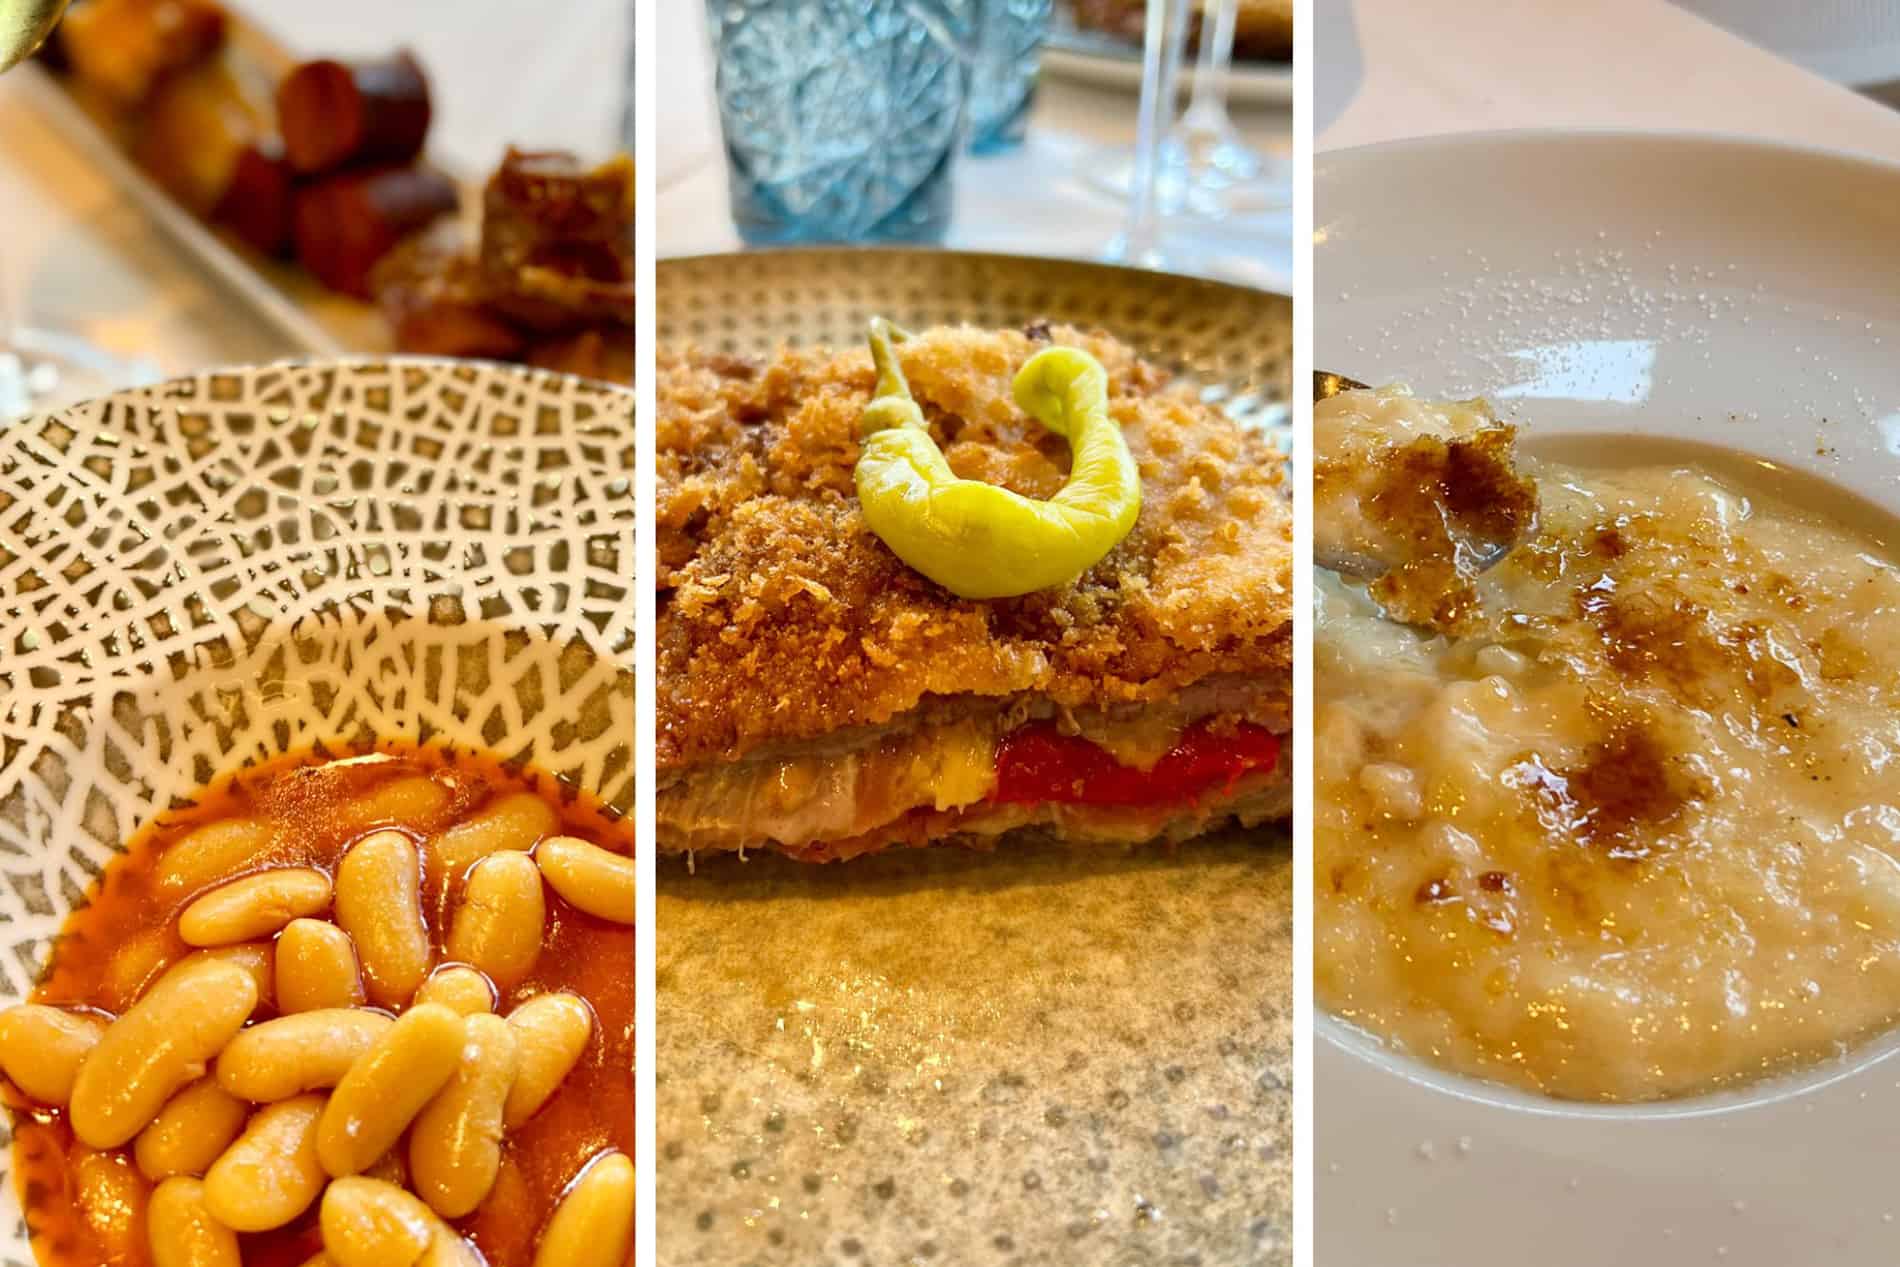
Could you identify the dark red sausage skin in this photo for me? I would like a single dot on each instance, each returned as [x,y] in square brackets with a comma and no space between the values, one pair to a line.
[257,206]
[334,113]
[347,222]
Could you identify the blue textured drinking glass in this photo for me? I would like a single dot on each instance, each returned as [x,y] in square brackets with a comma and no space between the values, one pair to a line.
[842,118]
[1006,54]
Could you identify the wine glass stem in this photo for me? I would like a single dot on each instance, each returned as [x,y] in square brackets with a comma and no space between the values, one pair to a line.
[1162,45]
[1207,107]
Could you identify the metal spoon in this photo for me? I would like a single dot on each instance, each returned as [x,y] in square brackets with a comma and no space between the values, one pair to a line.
[1353,563]
[1327,384]
[1474,556]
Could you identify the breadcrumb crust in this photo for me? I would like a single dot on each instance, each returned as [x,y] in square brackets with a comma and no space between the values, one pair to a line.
[783,618]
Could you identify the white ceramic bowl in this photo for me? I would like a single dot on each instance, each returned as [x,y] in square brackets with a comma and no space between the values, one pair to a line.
[1689,287]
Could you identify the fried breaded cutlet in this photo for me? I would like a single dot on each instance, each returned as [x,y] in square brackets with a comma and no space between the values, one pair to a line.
[819,697]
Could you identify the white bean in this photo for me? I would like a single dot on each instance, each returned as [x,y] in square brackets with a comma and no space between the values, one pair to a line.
[112,1198]
[589,877]
[379,904]
[253,957]
[593,1224]
[158,1046]
[459,988]
[316,967]
[210,852]
[370,1223]
[271,1174]
[455,1145]
[387,1087]
[183,1232]
[305,1051]
[41,1047]
[512,822]
[254,906]
[191,1130]
[502,919]
[551,1032]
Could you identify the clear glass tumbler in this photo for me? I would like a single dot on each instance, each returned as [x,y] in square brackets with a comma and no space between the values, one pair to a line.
[1005,56]
[842,118]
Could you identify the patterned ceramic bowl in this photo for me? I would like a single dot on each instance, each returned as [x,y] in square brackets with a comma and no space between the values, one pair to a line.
[206,574]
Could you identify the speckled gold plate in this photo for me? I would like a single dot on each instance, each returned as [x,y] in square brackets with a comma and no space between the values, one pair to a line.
[1033,1056]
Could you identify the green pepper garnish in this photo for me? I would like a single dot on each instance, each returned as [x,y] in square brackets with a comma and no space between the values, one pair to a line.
[975,539]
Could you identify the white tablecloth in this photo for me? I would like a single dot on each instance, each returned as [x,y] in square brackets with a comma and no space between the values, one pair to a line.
[1033,201]
[1397,68]
[75,255]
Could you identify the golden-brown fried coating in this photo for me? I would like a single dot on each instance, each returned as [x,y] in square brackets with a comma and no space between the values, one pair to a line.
[782,618]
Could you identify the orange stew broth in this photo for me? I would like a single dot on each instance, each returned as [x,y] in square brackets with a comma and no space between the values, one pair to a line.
[127,935]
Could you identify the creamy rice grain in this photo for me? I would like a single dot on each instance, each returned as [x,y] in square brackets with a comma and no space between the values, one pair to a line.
[1634,832]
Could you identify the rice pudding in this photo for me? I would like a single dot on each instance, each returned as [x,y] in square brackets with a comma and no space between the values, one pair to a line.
[1626,827]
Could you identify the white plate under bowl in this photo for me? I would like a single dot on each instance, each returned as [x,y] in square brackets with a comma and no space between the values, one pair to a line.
[1694,287]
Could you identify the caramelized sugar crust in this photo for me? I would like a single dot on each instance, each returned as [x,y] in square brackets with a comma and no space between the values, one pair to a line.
[1632,829]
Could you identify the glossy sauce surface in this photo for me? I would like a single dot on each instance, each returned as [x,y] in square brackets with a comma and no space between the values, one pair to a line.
[85,1209]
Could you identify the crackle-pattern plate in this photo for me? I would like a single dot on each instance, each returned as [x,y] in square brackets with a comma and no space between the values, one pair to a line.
[1032,1056]
[215,571]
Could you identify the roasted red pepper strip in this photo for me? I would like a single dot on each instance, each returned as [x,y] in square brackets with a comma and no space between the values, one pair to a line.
[1037,763]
